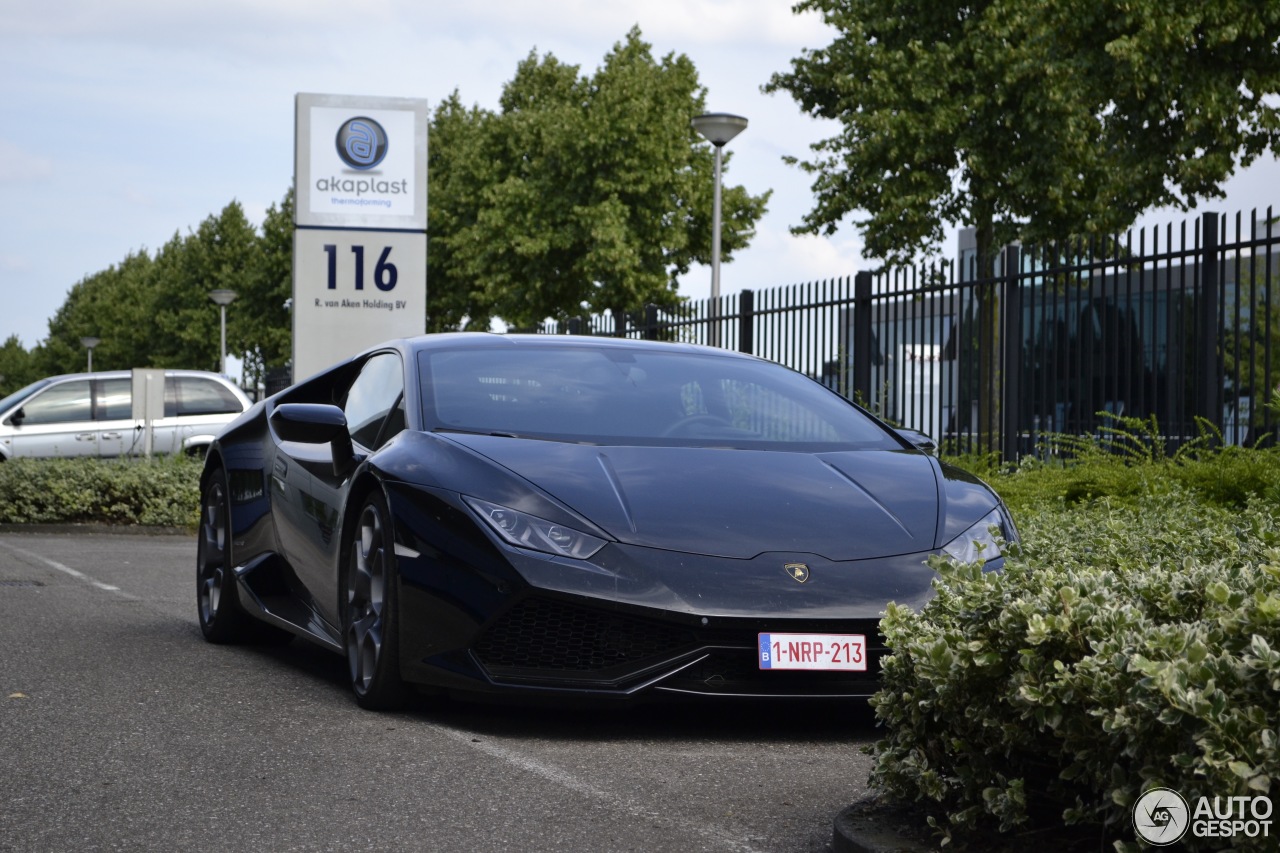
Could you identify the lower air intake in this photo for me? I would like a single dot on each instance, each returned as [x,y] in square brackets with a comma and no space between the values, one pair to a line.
[555,636]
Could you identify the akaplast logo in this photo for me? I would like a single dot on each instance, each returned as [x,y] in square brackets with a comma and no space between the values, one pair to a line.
[361,143]
[1162,816]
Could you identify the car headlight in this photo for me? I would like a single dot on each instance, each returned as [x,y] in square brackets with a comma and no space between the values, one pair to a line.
[981,542]
[528,531]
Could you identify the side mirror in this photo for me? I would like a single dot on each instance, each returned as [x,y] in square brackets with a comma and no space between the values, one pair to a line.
[17,418]
[919,440]
[316,423]
[308,423]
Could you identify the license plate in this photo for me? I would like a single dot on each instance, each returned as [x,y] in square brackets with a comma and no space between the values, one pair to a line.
[843,652]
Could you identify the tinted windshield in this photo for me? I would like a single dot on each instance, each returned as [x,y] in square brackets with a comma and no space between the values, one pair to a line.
[18,396]
[613,396]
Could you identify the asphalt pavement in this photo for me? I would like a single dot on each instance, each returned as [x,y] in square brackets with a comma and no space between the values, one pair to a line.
[120,729]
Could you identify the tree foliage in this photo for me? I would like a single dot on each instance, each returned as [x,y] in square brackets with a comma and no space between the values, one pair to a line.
[112,305]
[579,194]
[1030,120]
[262,336]
[16,366]
[155,311]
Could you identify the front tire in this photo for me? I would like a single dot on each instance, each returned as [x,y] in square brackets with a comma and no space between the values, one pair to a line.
[218,608]
[370,612]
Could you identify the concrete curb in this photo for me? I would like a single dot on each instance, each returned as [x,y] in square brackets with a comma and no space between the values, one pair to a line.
[97,529]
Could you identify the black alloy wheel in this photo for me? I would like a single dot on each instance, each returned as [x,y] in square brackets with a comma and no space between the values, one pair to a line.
[221,618]
[370,618]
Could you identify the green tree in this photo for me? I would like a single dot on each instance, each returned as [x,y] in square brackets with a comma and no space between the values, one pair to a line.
[262,332]
[156,312]
[112,305]
[582,194]
[218,254]
[459,164]
[17,368]
[1030,120]
[1038,120]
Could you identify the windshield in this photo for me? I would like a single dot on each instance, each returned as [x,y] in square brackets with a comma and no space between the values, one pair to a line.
[610,395]
[18,396]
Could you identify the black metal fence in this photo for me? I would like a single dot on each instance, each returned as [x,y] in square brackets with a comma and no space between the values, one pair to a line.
[1178,323]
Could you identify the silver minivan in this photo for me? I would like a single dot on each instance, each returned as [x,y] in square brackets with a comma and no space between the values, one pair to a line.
[92,414]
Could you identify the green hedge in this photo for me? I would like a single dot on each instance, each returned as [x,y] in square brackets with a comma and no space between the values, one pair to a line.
[1132,641]
[1127,463]
[163,491]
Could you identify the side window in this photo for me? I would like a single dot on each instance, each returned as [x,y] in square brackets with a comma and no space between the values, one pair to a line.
[65,402]
[114,400]
[197,395]
[377,392]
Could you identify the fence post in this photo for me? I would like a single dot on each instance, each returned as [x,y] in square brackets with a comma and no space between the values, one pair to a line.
[862,338]
[1011,354]
[747,322]
[573,326]
[651,322]
[1209,378]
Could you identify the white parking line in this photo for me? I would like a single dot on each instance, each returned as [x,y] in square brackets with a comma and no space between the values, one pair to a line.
[67,570]
[718,836]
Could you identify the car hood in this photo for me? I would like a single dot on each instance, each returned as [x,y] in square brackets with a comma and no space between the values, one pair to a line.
[848,505]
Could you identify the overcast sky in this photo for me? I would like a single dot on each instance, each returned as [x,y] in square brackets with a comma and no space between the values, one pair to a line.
[125,122]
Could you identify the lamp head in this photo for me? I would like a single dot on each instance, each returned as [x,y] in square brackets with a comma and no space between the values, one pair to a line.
[719,128]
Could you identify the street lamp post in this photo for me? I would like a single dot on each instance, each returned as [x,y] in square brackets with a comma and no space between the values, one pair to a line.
[223,298]
[718,129]
[89,342]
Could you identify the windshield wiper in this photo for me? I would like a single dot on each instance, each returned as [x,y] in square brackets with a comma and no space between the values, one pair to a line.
[461,431]
[500,434]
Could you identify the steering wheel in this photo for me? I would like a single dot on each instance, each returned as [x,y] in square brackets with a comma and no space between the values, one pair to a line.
[682,424]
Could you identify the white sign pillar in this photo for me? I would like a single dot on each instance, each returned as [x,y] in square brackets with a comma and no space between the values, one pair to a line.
[360,216]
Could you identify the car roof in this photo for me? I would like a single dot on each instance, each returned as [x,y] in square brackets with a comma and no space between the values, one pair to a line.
[123,374]
[493,340]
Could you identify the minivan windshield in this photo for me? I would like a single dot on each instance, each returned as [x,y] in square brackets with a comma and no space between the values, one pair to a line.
[617,395]
[18,396]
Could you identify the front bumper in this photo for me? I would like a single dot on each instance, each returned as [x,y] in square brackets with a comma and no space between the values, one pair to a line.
[483,619]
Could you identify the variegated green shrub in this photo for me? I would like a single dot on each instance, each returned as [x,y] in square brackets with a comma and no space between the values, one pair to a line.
[1124,647]
[163,491]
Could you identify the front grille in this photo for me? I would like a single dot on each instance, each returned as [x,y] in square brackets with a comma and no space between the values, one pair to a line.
[561,643]
[558,637]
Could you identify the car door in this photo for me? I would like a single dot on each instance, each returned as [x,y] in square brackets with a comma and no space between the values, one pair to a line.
[113,417]
[57,421]
[308,521]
